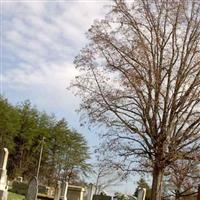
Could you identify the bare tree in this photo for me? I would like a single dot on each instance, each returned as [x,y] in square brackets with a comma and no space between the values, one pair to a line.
[105,177]
[140,77]
[183,178]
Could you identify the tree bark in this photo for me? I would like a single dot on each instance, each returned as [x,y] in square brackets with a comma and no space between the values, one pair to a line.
[177,194]
[157,183]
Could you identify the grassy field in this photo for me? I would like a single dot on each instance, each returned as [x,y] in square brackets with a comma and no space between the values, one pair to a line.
[14,196]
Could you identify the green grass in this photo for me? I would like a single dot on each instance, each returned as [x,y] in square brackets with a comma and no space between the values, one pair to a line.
[14,196]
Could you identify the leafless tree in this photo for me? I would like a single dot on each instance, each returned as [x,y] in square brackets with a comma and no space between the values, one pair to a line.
[104,176]
[140,77]
[183,178]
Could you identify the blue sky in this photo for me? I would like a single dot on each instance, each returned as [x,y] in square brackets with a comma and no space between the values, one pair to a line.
[39,40]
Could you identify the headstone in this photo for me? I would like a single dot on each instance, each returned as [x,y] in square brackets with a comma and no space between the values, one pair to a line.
[75,193]
[101,197]
[141,194]
[32,191]
[91,189]
[3,174]
[48,191]
[64,187]
[57,191]
[19,179]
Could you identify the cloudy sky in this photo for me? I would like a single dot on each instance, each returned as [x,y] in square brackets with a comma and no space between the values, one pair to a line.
[39,40]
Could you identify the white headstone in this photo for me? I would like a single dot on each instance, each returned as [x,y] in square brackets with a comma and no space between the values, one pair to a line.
[141,194]
[3,174]
[90,192]
[64,187]
[32,191]
[57,191]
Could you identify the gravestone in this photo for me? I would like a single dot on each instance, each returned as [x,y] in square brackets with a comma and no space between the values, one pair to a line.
[75,193]
[90,192]
[57,191]
[32,191]
[3,174]
[141,194]
[64,187]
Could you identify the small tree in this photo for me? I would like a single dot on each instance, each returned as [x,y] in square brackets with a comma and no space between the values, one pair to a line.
[140,77]
[105,177]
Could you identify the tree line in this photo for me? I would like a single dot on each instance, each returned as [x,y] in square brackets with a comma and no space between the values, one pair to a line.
[22,129]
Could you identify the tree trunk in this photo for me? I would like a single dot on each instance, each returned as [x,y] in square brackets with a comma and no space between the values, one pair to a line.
[157,183]
[177,194]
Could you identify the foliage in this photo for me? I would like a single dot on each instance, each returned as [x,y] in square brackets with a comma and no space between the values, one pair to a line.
[22,127]
[139,77]
[8,123]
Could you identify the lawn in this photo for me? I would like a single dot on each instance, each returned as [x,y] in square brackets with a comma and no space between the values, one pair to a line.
[14,196]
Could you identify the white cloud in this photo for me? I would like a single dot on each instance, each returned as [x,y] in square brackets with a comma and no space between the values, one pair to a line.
[48,30]
[57,75]
[40,40]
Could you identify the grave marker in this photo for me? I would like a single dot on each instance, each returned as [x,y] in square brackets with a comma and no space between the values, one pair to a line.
[64,187]
[32,191]
[90,191]
[57,191]
[3,174]
[141,194]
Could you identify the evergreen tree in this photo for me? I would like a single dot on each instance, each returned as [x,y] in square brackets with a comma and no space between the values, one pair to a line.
[22,129]
[9,121]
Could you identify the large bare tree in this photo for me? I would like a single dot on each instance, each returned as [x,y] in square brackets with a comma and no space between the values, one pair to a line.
[140,77]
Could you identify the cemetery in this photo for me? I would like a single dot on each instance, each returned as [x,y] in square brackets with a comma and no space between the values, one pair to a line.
[62,191]
[33,191]
[110,115]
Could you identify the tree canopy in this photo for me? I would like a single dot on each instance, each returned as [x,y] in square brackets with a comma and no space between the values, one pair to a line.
[65,154]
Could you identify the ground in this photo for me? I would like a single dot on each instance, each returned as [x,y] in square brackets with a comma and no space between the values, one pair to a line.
[14,196]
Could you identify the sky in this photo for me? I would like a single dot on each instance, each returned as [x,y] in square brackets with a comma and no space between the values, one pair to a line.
[39,40]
